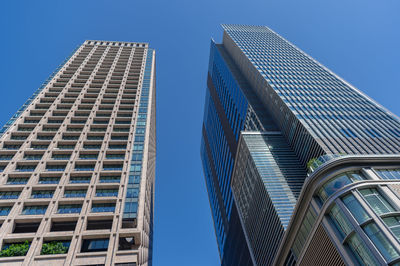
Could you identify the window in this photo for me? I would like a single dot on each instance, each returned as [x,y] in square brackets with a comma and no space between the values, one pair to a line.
[49,180]
[95,137]
[50,129]
[132,192]
[106,192]
[388,173]
[103,207]
[71,208]
[55,167]
[84,167]
[18,137]
[6,157]
[74,129]
[90,156]
[9,194]
[130,207]
[25,228]
[110,179]
[93,245]
[116,147]
[137,157]
[34,210]
[119,137]
[21,128]
[340,220]
[338,183]
[134,179]
[112,167]
[11,147]
[75,193]
[25,168]
[360,251]
[98,129]
[355,208]
[92,146]
[80,179]
[70,137]
[138,147]
[63,226]
[136,167]
[33,156]
[5,210]
[380,241]
[44,137]
[394,225]
[66,146]
[305,229]
[17,181]
[115,155]
[61,156]
[39,147]
[377,202]
[99,224]
[118,129]
[41,194]
[139,138]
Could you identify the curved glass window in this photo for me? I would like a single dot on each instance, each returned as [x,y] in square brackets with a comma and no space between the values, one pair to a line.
[355,208]
[340,220]
[361,252]
[305,229]
[380,241]
[377,202]
[394,225]
[339,182]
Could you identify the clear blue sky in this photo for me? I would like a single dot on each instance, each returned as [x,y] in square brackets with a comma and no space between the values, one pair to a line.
[358,39]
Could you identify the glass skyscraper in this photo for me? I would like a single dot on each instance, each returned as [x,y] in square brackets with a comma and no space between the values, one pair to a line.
[270,111]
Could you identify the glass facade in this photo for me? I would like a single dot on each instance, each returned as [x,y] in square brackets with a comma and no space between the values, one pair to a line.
[332,112]
[135,171]
[224,118]
[259,82]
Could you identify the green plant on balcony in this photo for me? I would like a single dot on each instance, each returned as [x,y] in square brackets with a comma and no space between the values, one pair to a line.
[54,247]
[18,249]
[312,161]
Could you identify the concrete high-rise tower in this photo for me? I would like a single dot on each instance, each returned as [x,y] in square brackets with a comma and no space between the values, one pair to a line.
[271,112]
[77,162]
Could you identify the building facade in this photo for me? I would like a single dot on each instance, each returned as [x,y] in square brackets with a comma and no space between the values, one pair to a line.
[349,212]
[77,162]
[270,111]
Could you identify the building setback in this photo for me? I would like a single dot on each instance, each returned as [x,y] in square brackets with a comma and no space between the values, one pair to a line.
[77,162]
[270,111]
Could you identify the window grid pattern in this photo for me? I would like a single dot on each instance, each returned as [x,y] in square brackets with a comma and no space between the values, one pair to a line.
[90,103]
[337,115]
